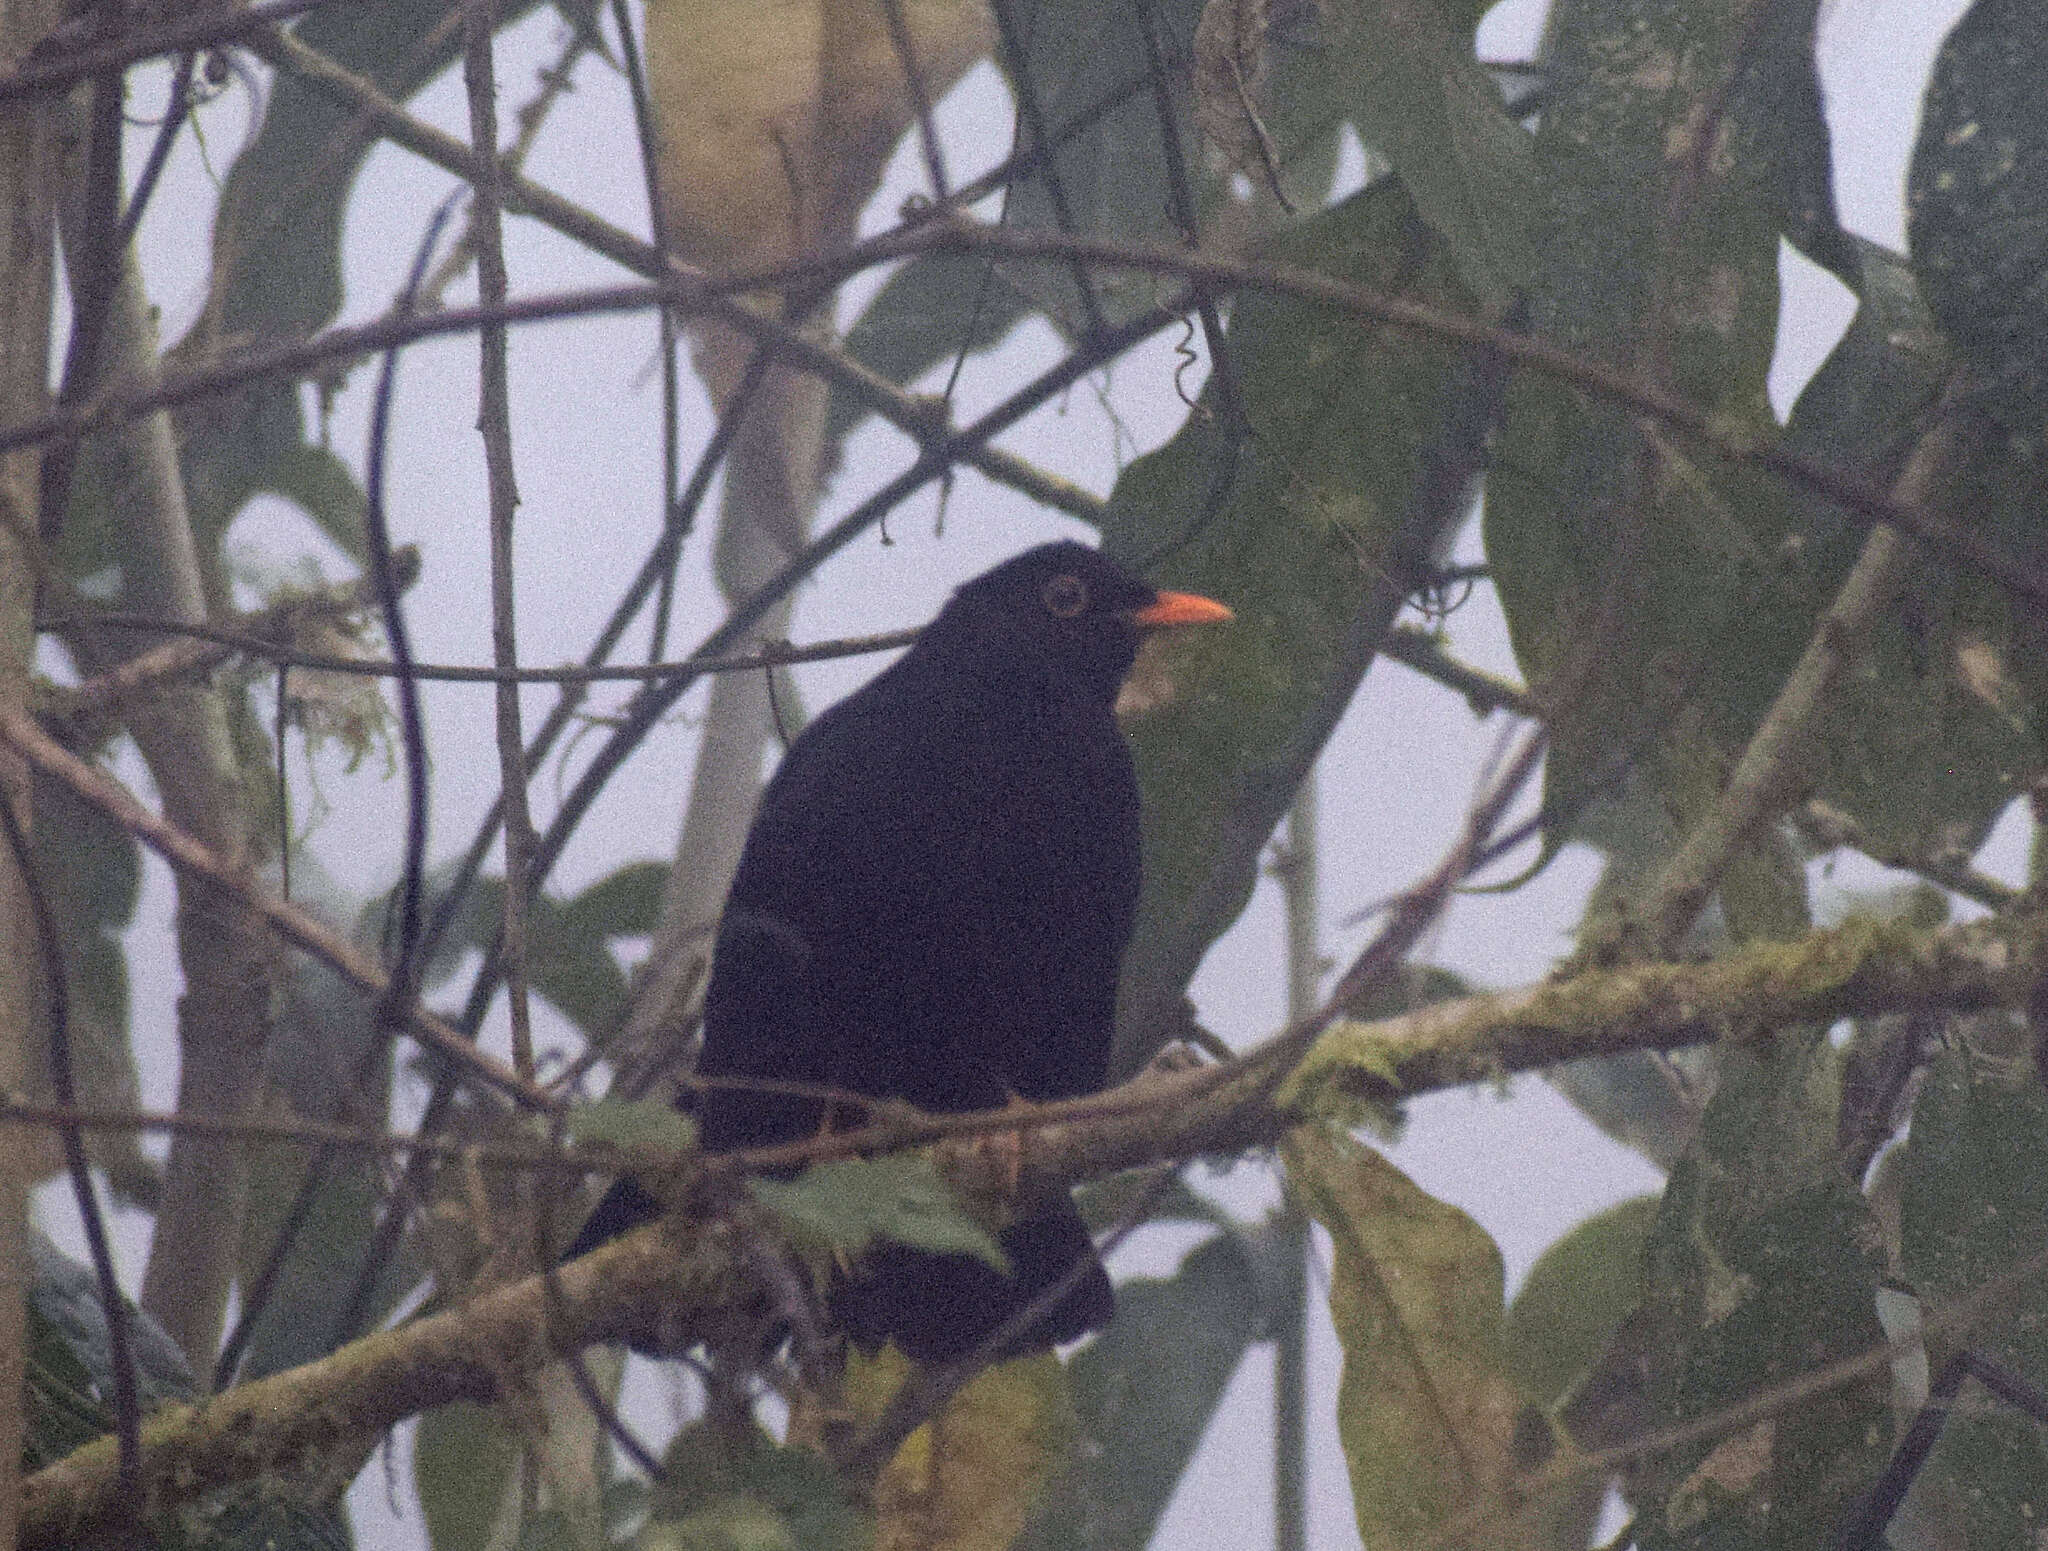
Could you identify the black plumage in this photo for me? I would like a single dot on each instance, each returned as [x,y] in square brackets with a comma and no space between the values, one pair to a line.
[933,904]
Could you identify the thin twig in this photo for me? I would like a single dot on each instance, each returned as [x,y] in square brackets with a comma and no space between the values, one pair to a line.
[1826,826]
[95,269]
[666,338]
[494,421]
[920,96]
[930,1386]
[176,658]
[1419,649]
[51,67]
[202,647]
[1778,760]
[402,991]
[606,1413]
[176,112]
[20,732]
[63,1082]
[1181,202]
[1031,114]
[556,80]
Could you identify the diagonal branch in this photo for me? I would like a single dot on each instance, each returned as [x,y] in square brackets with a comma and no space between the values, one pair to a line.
[1780,758]
[195,861]
[906,410]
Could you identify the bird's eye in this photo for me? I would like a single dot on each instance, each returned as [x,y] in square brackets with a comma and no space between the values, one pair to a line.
[1066,597]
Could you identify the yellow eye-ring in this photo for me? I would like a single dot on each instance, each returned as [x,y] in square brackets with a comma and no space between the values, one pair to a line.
[1066,597]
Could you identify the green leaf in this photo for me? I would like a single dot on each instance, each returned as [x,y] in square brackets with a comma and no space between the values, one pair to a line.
[1649,1102]
[569,957]
[1936,733]
[320,1031]
[548,1530]
[264,1514]
[726,1489]
[1426,1410]
[933,307]
[844,1206]
[967,1479]
[1419,98]
[1761,1267]
[300,1320]
[462,1463]
[1144,1392]
[63,1411]
[1973,1196]
[1281,521]
[1104,1202]
[66,1294]
[91,872]
[1111,176]
[1860,409]
[1975,190]
[634,1123]
[1687,574]
[625,903]
[1575,1298]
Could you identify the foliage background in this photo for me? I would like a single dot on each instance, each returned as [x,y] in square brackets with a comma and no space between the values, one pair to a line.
[1395,779]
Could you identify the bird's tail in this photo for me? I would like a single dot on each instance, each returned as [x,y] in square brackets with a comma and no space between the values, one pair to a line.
[936,1307]
[625,1207]
[940,1307]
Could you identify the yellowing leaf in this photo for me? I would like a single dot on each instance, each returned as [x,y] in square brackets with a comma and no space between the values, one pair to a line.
[968,1479]
[1425,1409]
[776,116]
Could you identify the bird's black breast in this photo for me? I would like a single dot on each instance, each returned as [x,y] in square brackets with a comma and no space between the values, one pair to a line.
[932,905]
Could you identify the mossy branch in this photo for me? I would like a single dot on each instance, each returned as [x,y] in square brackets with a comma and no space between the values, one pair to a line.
[675,1276]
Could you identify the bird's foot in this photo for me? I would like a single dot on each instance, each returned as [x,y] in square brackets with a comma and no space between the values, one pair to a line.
[1005,1148]
[1179,1056]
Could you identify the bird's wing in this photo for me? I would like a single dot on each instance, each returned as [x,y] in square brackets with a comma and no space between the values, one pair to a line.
[826,924]
[1046,975]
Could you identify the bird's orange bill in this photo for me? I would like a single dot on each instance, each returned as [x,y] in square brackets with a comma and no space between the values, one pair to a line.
[1181,608]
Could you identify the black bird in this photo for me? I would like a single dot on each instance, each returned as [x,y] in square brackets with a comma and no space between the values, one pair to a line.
[932,906]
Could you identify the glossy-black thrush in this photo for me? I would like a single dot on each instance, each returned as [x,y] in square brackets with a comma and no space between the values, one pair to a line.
[932,906]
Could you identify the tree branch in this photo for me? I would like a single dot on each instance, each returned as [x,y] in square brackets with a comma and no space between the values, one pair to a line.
[29,150]
[1779,760]
[193,859]
[483,1351]
[1414,647]
[670,1277]
[906,410]
[184,735]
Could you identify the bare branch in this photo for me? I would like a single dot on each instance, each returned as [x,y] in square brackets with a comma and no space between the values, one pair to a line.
[195,654]
[54,66]
[1778,761]
[20,733]
[1419,649]
[494,422]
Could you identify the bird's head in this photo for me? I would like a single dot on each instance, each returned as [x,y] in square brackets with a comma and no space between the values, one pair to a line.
[1065,615]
